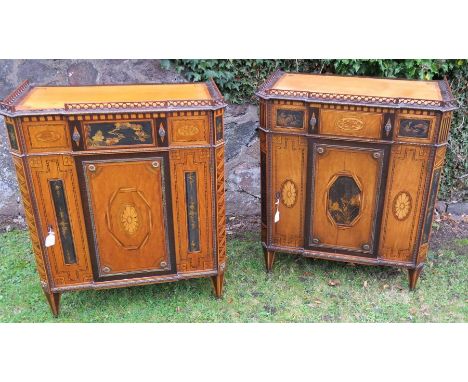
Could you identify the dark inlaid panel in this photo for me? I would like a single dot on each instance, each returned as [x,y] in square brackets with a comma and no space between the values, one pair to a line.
[263,186]
[219,127]
[431,205]
[102,134]
[290,118]
[344,200]
[414,128]
[192,211]
[12,136]
[63,221]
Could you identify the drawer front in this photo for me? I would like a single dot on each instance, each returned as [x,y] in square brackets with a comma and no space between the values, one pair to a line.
[189,130]
[289,117]
[129,216]
[345,197]
[351,124]
[46,136]
[415,128]
[119,134]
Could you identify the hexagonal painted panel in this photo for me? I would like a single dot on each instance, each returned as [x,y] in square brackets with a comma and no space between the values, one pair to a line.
[344,200]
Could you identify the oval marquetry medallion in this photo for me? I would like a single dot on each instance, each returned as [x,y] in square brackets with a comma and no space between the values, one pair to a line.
[47,136]
[188,130]
[289,193]
[129,219]
[350,124]
[402,205]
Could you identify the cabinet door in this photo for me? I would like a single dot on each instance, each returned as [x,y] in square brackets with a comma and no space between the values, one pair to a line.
[128,213]
[345,197]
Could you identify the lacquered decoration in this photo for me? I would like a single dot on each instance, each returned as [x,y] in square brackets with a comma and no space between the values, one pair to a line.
[119,134]
[12,136]
[192,211]
[63,221]
[431,205]
[414,128]
[290,118]
[219,127]
[344,200]
[402,205]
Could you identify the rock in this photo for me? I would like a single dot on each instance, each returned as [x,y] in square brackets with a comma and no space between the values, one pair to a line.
[240,122]
[38,72]
[82,73]
[458,208]
[243,181]
[441,206]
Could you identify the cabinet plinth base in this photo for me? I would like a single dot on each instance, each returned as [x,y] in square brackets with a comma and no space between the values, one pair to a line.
[218,284]
[54,302]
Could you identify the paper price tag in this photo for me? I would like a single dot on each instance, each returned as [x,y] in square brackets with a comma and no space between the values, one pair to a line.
[50,239]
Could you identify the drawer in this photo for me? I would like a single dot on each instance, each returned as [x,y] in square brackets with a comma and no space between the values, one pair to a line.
[46,136]
[125,133]
[351,124]
[415,128]
[289,117]
[189,130]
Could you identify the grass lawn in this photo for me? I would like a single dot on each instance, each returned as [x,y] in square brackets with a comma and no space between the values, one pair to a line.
[297,291]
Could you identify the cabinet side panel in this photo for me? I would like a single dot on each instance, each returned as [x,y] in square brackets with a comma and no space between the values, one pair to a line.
[403,201]
[432,198]
[30,220]
[181,163]
[70,223]
[289,166]
[263,183]
[220,207]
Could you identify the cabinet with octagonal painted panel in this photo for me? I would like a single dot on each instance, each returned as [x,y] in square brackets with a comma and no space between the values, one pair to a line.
[350,167]
[122,185]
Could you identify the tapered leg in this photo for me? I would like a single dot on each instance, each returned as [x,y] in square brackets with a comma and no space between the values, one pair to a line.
[413,275]
[269,259]
[218,283]
[54,302]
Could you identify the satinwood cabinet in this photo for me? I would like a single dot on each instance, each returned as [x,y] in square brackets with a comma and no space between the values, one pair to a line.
[350,167]
[121,184]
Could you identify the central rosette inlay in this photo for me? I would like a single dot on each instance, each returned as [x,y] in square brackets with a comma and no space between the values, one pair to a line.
[129,219]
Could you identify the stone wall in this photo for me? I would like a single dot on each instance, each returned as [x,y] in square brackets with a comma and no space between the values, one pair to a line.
[242,171]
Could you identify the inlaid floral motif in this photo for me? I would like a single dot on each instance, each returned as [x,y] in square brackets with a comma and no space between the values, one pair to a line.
[129,219]
[402,205]
[289,193]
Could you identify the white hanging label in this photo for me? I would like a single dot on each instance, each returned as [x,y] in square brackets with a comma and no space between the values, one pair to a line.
[277,216]
[50,239]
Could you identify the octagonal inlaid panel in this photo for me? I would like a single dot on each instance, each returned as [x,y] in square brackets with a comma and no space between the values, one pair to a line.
[344,200]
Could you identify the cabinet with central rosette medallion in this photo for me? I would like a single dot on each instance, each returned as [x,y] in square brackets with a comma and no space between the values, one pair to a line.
[122,185]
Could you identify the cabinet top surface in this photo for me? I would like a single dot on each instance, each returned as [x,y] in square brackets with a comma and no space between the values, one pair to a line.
[360,86]
[364,90]
[108,97]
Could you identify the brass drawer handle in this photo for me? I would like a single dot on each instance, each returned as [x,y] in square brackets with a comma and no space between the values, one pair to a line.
[163,264]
